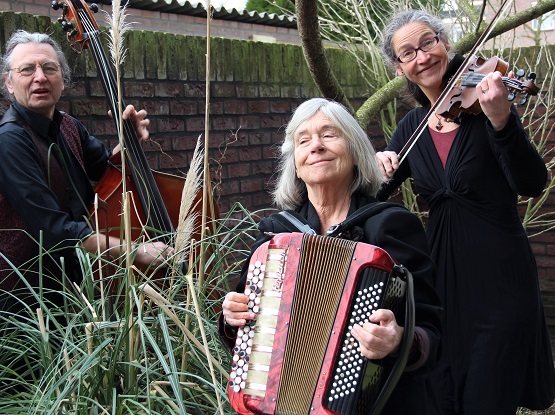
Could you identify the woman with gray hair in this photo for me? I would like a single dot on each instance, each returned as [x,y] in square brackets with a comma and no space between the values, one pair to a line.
[496,355]
[327,172]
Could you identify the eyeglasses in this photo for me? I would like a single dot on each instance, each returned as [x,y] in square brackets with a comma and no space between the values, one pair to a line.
[425,46]
[28,69]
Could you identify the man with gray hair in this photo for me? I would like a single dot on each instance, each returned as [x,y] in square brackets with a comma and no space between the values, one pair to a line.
[48,163]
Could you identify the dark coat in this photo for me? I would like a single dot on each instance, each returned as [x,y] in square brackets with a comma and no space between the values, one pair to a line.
[45,192]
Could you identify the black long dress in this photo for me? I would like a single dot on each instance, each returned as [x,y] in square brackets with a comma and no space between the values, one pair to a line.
[497,354]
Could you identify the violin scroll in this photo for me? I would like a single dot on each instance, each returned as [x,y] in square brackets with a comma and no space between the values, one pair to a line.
[527,87]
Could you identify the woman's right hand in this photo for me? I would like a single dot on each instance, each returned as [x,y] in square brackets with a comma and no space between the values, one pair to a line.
[235,309]
[388,163]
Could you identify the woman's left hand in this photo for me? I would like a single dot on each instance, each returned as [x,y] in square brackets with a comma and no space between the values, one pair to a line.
[493,98]
[379,337]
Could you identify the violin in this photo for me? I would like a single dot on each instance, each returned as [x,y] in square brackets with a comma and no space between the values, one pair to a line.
[457,98]
[463,98]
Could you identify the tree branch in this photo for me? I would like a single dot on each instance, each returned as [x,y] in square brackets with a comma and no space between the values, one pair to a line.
[314,52]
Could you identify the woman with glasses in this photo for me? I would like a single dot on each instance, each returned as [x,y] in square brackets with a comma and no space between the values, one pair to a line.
[496,350]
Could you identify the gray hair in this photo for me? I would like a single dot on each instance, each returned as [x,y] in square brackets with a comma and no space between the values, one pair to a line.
[402,19]
[290,191]
[22,36]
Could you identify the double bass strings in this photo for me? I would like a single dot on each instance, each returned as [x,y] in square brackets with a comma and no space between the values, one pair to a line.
[155,212]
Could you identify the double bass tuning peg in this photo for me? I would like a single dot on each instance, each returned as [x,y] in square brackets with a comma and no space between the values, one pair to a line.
[57,4]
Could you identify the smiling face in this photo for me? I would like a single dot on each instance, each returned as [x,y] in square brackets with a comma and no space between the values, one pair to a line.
[38,92]
[322,156]
[428,68]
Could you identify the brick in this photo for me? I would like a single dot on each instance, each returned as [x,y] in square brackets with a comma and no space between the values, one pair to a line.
[239,170]
[258,107]
[194,90]
[184,142]
[229,156]
[246,91]
[170,124]
[139,89]
[223,90]
[249,122]
[81,108]
[262,200]
[260,138]
[280,107]
[184,107]
[168,89]
[250,153]
[224,123]
[263,168]
[229,187]
[251,186]
[194,123]
[156,108]
[235,107]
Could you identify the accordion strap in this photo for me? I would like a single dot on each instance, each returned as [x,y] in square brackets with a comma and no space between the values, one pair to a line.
[406,343]
[294,222]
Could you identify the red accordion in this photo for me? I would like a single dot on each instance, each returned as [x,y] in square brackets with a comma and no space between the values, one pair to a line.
[298,356]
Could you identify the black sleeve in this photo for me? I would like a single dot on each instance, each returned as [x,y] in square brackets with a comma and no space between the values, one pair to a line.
[401,234]
[523,166]
[23,184]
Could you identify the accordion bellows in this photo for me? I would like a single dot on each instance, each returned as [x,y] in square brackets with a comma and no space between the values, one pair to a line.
[298,356]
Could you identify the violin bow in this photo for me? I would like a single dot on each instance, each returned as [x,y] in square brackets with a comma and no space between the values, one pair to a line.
[464,66]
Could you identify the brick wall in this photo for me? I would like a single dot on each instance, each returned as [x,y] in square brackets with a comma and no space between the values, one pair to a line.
[168,22]
[254,88]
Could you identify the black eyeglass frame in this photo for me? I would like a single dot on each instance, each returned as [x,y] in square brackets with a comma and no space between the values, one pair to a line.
[415,50]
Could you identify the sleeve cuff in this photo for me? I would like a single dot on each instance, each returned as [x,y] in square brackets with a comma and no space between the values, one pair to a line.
[226,333]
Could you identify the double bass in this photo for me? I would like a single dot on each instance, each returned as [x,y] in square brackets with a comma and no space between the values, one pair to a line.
[158,194]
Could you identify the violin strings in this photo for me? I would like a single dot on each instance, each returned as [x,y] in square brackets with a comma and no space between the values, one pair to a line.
[472,79]
[133,146]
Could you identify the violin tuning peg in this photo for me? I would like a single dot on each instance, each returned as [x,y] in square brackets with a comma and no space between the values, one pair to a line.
[532,76]
[520,73]
[511,96]
[523,99]
[94,7]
